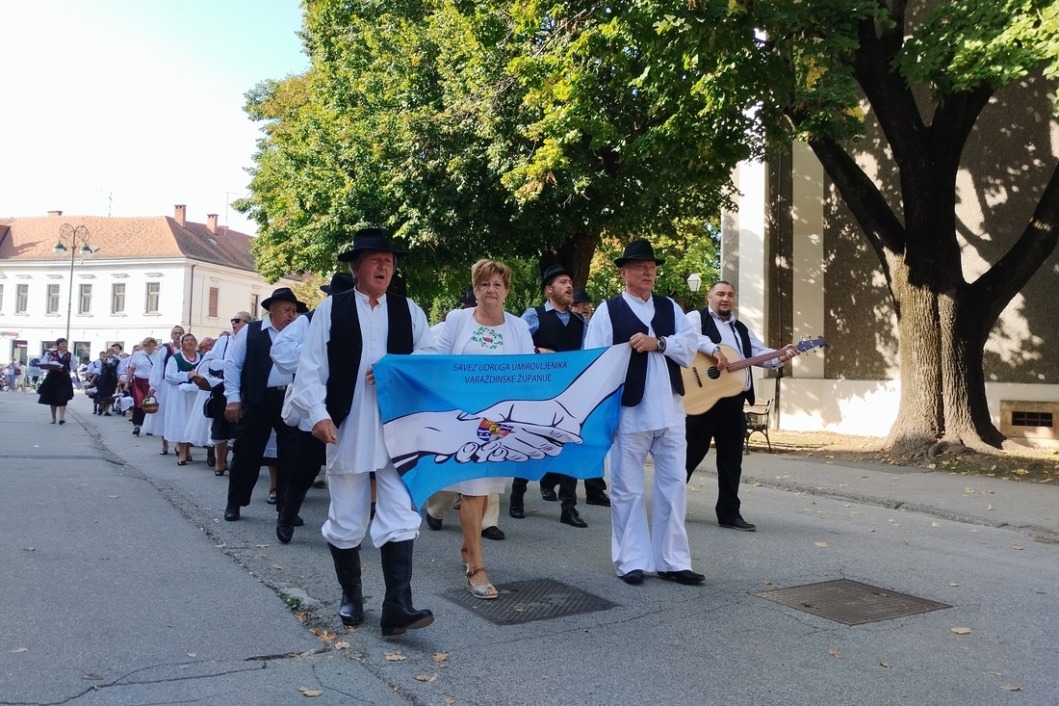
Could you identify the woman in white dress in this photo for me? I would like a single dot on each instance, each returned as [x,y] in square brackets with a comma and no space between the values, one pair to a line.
[180,395]
[485,329]
[197,432]
[155,423]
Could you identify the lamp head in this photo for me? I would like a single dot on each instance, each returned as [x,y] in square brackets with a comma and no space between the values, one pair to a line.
[694,281]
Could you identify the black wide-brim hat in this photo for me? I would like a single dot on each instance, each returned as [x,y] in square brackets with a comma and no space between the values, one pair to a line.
[581,296]
[638,250]
[284,294]
[340,282]
[553,272]
[369,239]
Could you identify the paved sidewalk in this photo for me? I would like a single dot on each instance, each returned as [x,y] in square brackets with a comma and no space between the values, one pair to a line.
[121,584]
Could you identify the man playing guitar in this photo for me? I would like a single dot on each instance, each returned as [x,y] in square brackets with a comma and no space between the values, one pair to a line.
[724,422]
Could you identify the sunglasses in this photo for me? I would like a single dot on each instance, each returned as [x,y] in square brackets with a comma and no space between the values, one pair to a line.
[236,321]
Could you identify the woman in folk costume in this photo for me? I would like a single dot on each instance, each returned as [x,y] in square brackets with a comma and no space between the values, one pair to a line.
[197,430]
[57,389]
[155,423]
[180,395]
[138,379]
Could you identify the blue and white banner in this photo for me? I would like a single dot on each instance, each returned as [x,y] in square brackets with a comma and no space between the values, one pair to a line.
[450,418]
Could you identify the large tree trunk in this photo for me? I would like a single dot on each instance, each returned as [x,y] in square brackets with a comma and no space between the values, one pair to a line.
[967,418]
[575,254]
[920,415]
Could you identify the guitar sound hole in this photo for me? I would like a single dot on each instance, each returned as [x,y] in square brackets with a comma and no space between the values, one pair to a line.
[713,372]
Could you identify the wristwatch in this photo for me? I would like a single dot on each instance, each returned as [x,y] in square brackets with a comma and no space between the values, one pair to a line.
[661,344]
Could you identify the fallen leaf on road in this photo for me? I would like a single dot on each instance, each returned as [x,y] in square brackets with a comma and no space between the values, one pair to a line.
[988,507]
[1017,547]
[822,545]
[426,677]
[934,524]
[29,549]
[192,654]
[277,567]
[91,676]
[439,657]
[834,653]
[341,645]
[306,691]
[887,665]
[954,584]
[326,636]
[262,546]
[1012,687]
[449,701]
[113,497]
[961,631]
[17,650]
[394,657]
[1020,472]
[302,616]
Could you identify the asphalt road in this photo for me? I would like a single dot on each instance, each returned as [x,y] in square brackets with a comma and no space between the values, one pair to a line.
[121,584]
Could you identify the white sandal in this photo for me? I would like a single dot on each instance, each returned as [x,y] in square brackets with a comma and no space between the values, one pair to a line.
[486,590]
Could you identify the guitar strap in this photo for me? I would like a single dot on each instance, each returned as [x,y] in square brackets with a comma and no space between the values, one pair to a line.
[709,328]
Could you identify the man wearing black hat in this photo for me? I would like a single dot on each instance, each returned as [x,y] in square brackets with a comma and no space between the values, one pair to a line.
[595,488]
[652,422]
[334,390]
[555,328]
[582,303]
[254,389]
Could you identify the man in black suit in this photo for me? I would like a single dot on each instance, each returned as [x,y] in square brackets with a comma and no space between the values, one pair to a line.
[254,389]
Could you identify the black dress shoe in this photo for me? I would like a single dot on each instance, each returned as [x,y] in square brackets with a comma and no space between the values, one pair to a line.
[684,576]
[548,494]
[633,578]
[231,513]
[570,517]
[284,533]
[738,524]
[298,521]
[494,533]
[517,511]
[601,500]
[432,522]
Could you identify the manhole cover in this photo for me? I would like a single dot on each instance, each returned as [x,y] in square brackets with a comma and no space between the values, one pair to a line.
[526,601]
[850,602]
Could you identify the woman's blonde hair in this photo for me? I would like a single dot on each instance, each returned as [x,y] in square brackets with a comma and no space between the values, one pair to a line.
[149,341]
[485,269]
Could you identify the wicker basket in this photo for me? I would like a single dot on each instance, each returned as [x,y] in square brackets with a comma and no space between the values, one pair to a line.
[149,404]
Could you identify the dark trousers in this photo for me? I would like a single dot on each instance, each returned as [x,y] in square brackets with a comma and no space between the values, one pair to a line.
[594,487]
[251,438]
[725,425]
[567,487]
[307,456]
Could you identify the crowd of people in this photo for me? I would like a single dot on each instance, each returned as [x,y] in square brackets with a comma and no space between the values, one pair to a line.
[294,391]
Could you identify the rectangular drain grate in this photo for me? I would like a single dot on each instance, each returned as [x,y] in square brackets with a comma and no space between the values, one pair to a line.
[850,602]
[526,601]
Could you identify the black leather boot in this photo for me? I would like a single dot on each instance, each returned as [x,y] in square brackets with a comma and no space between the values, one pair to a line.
[347,568]
[288,519]
[398,615]
[518,491]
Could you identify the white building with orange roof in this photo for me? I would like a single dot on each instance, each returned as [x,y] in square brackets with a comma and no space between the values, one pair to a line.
[121,280]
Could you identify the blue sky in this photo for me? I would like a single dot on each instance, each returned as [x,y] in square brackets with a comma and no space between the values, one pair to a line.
[128,107]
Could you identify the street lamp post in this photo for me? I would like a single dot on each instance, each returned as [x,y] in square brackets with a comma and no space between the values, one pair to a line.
[694,282]
[73,236]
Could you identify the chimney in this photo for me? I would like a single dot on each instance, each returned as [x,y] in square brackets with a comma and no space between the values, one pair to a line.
[211,222]
[55,213]
[181,214]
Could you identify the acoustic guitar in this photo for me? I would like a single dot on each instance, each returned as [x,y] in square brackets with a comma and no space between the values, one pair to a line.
[705,383]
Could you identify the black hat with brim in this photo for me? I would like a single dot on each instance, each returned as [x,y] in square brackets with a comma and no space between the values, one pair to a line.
[286,295]
[340,282]
[553,272]
[638,250]
[581,296]
[369,239]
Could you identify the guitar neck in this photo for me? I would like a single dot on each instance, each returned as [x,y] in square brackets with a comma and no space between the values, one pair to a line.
[747,362]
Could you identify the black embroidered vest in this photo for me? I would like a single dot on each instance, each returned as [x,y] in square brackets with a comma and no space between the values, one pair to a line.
[553,334]
[346,347]
[709,329]
[625,323]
